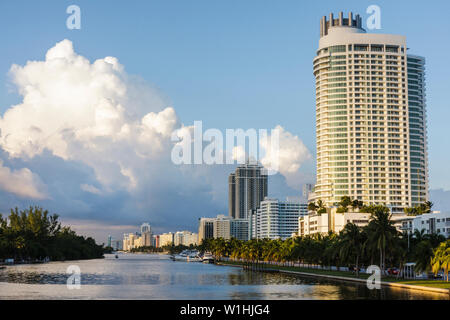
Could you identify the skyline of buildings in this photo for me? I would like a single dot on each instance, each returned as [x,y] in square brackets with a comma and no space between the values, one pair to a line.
[370,117]
[145,238]
[371,137]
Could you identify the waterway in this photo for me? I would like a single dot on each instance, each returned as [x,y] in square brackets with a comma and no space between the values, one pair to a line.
[147,276]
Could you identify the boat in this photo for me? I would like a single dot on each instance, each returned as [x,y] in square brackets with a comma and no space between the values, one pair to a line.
[182,256]
[208,258]
[117,256]
[188,256]
[194,257]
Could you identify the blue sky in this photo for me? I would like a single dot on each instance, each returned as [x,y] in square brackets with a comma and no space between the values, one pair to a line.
[231,64]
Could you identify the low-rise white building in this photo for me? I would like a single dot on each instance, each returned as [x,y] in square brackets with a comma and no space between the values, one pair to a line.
[330,221]
[436,222]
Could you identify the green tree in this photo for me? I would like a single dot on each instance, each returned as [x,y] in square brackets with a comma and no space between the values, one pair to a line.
[381,232]
[441,258]
[33,234]
[352,241]
[344,204]
[312,206]
[423,255]
[356,204]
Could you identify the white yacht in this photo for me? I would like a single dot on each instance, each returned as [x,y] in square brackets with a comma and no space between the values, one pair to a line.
[188,255]
[208,258]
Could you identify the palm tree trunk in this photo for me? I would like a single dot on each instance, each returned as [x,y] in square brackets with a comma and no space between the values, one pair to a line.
[357,269]
[381,261]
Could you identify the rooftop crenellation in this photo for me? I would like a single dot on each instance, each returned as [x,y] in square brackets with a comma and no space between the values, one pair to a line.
[351,22]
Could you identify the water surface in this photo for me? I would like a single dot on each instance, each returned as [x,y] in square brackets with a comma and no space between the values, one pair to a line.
[144,276]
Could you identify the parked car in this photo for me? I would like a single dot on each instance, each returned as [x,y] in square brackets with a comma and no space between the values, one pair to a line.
[434,276]
[392,271]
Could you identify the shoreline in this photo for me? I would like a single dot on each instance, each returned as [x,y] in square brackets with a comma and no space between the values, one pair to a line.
[274,268]
[4,265]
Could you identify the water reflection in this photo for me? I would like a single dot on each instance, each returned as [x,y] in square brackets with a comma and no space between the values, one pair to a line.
[157,277]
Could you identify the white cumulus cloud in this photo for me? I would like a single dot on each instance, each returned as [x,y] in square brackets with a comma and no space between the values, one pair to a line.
[88,112]
[287,157]
[22,183]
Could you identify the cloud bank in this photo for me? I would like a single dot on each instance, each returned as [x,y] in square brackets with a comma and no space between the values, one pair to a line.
[108,134]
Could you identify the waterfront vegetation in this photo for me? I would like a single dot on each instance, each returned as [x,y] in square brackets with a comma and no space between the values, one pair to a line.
[171,249]
[378,243]
[33,235]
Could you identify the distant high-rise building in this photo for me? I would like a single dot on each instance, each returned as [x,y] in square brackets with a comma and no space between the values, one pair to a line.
[146,234]
[166,239]
[145,227]
[185,238]
[155,241]
[247,187]
[110,239]
[307,189]
[239,229]
[205,229]
[221,227]
[130,241]
[370,117]
[117,245]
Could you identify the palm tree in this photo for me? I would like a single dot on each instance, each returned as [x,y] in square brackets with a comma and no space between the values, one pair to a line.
[441,258]
[321,207]
[401,252]
[352,243]
[356,204]
[381,231]
[423,254]
[344,204]
[312,206]
[435,239]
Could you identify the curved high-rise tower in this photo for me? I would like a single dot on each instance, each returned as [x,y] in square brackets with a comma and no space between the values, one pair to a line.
[370,117]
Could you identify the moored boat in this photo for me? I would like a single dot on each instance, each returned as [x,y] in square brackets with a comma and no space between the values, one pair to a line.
[188,256]
[208,258]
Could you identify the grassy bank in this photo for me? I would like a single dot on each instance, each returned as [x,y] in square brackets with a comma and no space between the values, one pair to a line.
[351,275]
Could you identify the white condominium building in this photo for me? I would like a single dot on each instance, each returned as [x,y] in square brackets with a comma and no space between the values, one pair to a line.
[370,117]
[132,240]
[166,239]
[275,219]
[185,238]
[227,228]
[239,229]
[223,227]
[205,229]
